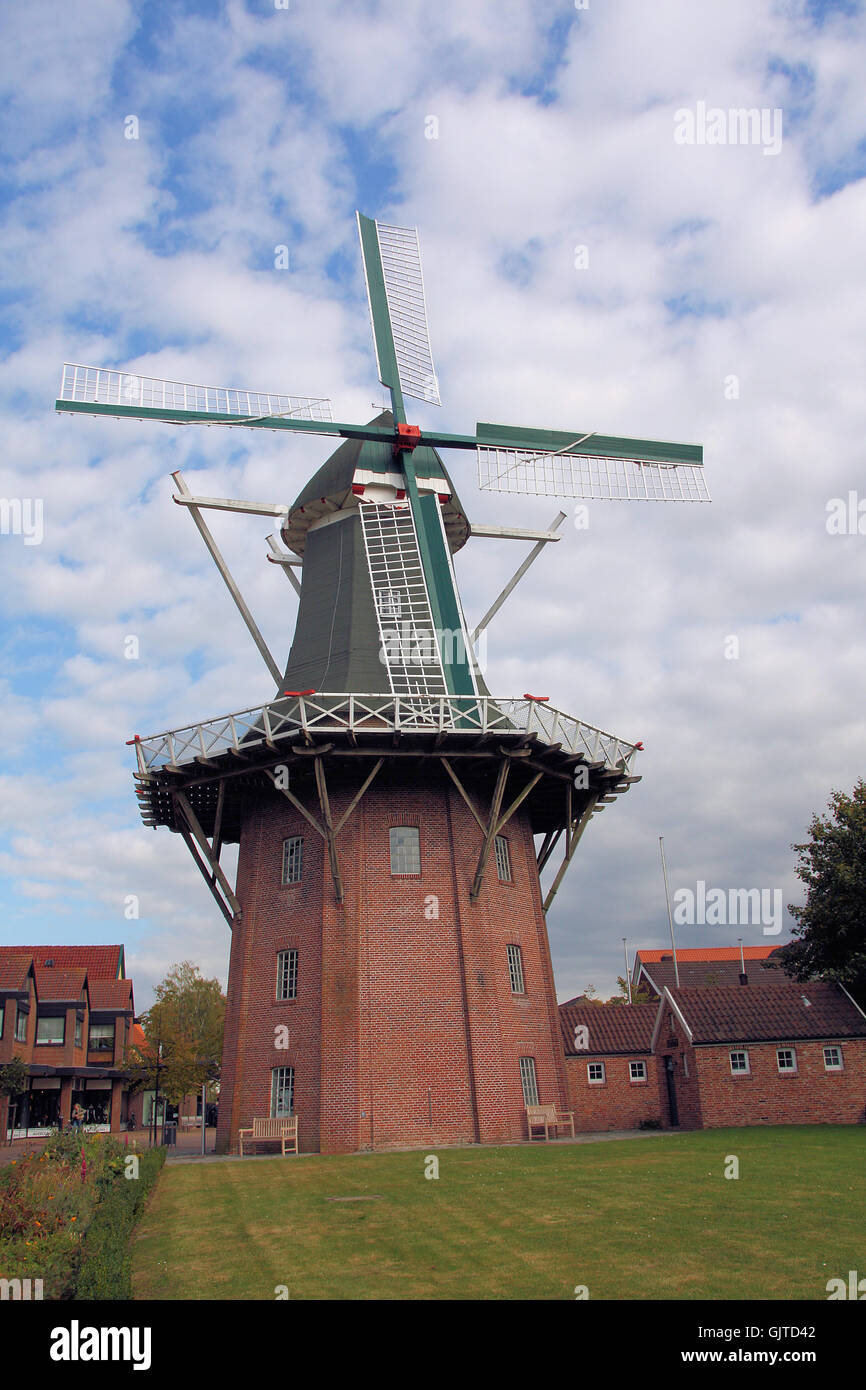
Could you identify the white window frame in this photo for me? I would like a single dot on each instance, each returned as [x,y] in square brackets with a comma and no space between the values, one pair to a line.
[105,1030]
[515,969]
[51,1042]
[786,1071]
[293,860]
[287,974]
[834,1066]
[21,1017]
[739,1052]
[596,1080]
[641,1076]
[406,853]
[503,859]
[529,1080]
[279,1087]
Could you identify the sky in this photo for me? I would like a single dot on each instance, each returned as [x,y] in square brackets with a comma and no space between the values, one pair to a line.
[596,257]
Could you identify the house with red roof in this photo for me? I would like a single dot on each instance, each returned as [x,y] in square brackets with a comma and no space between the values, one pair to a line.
[705,1056]
[704,965]
[67,1012]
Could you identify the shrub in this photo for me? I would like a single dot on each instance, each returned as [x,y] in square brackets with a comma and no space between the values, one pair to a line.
[104,1271]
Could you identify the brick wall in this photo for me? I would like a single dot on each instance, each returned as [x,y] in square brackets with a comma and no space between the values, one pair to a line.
[764,1097]
[618,1103]
[406,1031]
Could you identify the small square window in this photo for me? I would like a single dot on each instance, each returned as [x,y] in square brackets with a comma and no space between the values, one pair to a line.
[51,1030]
[101,1037]
[786,1059]
[405,849]
[739,1064]
[832,1059]
[503,859]
[293,854]
[637,1071]
[595,1073]
[515,970]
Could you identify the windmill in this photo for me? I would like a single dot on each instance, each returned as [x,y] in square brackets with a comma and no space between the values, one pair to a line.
[383,740]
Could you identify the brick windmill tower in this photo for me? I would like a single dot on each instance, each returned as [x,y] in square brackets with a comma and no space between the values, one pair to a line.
[390,979]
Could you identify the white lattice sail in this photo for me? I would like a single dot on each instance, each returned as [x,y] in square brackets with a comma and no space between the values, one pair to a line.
[589,476]
[105,386]
[404,290]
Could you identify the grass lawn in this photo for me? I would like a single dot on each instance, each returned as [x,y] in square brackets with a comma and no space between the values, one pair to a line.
[647,1218]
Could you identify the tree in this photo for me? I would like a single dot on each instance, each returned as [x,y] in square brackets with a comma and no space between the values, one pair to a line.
[638,996]
[13,1083]
[830,935]
[184,1034]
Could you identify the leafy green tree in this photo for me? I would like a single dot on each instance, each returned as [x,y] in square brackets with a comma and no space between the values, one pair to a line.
[184,1035]
[830,935]
[13,1080]
[638,996]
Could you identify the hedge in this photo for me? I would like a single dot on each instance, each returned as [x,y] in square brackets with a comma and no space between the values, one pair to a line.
[105,1268]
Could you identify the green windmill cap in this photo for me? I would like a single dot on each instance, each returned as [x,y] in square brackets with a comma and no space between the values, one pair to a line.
[359,464]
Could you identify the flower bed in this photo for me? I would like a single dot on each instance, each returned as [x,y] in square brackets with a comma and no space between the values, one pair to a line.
[66,1215]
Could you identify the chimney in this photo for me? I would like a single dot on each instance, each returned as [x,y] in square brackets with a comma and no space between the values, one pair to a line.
[744,979]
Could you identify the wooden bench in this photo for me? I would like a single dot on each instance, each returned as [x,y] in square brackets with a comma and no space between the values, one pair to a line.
[548,1118]
[280,1131]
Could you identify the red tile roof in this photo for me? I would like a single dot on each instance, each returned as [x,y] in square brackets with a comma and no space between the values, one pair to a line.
[708,972]
[611,1027]
[59,986]
[13,971]
[769,1013]
[100,962]
[110,994]
[707,953]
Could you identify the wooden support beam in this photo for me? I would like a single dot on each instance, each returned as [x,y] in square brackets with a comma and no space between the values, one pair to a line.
[206,875]
[191,819]
[466,797]
[299,806]
[491,830]
[217,840]
[521,797]
[548,845]
[575,833]
[325,805]
[357,797]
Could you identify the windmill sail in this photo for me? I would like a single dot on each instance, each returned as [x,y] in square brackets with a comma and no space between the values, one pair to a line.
[103,386]
[406,630]
[395,293]
[595,478]
[551,463]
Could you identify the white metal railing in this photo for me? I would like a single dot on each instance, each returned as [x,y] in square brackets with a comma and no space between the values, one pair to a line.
[105,386]
[594,477]
[468,715]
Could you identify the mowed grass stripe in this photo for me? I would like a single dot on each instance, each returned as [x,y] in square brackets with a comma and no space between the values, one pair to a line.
[646,1219]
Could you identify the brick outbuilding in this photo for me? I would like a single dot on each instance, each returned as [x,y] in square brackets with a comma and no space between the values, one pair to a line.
[613,1077]
[715,1055]
[776,1054]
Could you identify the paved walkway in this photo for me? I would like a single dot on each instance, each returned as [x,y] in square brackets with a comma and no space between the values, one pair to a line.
[188,1146]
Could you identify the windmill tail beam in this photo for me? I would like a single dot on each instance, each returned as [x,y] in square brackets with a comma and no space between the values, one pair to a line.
[228,580]
[519,573]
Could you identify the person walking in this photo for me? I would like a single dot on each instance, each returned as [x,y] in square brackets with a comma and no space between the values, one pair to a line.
[77,1117]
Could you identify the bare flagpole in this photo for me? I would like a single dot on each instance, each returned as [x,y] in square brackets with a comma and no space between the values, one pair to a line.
[670,918]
